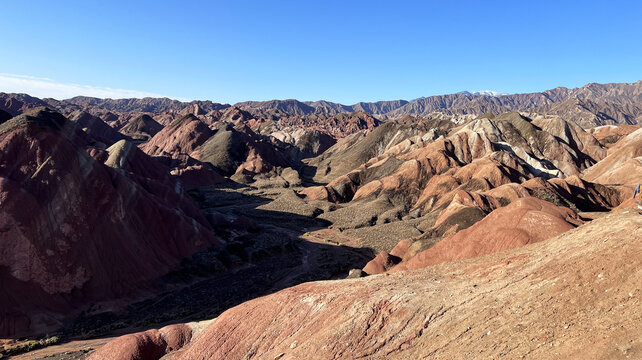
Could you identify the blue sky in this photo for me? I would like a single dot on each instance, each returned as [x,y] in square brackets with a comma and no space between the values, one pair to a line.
[343,51]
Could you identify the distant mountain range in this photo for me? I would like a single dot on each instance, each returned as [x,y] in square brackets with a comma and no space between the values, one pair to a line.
[590,105]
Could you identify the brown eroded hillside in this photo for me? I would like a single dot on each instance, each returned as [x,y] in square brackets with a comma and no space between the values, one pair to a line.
[76,220]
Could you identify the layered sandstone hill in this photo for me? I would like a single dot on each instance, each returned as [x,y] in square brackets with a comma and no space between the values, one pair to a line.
[237,150]
[623,165]
[178,146]
[289,106]
[152,344]
[141,128]
[573,296]
[96,128]
[570,133]
[182,136]
[76,220]
[524,221]
[16,104]
[352,151]
[232,114]
[609,135]
[463,230]
[492,152]
[310,143]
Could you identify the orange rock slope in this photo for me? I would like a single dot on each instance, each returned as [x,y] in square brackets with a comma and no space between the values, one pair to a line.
[525,221]
[150,344]
[622,165]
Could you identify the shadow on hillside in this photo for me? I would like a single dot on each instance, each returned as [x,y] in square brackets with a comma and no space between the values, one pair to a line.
[272,255]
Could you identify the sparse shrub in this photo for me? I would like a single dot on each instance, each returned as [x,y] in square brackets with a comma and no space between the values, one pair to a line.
[612,139]
[554,198]
[28,346]
[51,340]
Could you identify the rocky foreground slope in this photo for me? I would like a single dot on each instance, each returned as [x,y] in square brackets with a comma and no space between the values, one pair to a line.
[576,295]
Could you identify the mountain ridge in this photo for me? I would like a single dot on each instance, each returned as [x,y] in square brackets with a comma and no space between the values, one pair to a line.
[608,104]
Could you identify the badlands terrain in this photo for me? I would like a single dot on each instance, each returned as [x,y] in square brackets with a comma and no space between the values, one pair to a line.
[466,225]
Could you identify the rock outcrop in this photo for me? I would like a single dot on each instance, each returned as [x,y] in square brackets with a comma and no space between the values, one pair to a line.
[96,128]
[183,136]
[141,128]
[609,135]
[238,151]
[309,142]
[355,150]
[621,165]
[146,345]
[16,104]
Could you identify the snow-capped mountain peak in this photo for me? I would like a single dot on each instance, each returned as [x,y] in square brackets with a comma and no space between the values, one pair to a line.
[488,93]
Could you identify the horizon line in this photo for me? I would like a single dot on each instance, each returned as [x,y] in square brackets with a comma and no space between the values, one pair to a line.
[38,84]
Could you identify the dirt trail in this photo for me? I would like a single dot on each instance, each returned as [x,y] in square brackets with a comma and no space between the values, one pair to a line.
[73,350]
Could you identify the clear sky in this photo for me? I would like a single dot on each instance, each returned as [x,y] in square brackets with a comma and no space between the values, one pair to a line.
[343,51]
